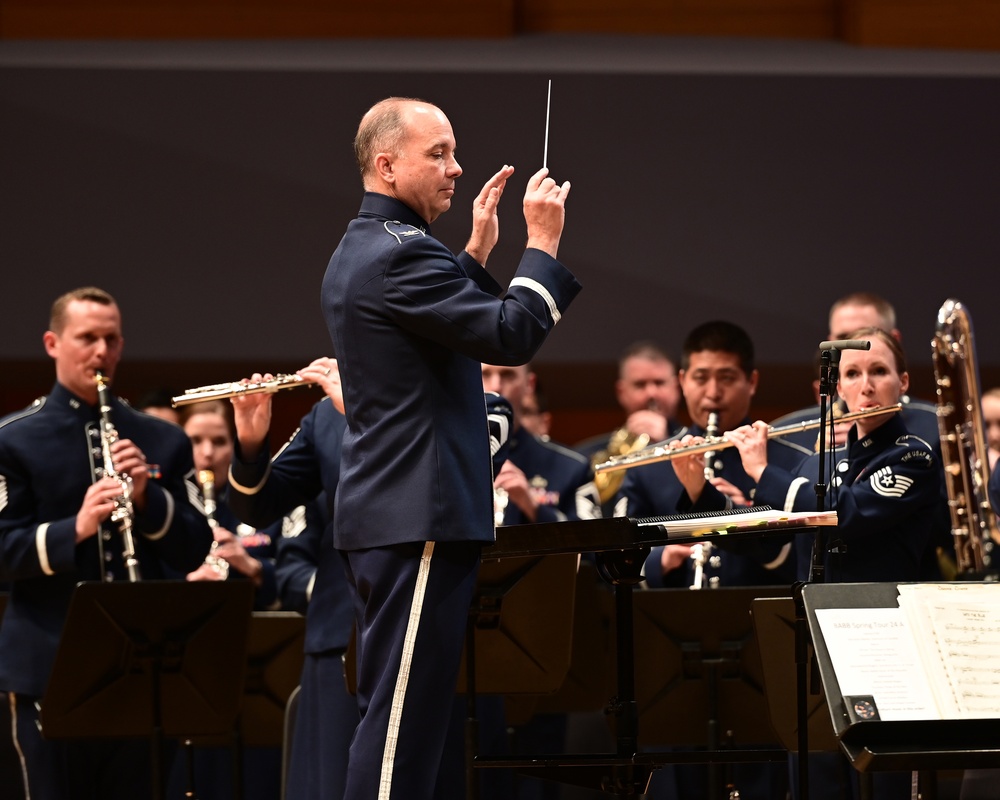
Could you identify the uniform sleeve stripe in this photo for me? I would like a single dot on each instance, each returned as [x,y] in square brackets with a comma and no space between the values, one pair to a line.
[535,286]
[167,519]
[239,487]
[43,553]
[793,490]
[781,557]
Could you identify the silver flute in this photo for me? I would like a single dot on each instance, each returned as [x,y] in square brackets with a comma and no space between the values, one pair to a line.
[661,452]
[221,391]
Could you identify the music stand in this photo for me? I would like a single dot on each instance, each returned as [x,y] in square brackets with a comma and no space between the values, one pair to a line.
[275,654]
[774,621]
[163,659]
[590,679]
[700,667]
[520,626]
[901,745]
[699,683]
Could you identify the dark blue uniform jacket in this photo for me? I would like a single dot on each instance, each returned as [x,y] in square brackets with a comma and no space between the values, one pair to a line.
[884,487]
[48,456]
[411,324]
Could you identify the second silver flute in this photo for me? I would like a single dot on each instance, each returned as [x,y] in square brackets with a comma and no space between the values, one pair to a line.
[221,391]
[661,452]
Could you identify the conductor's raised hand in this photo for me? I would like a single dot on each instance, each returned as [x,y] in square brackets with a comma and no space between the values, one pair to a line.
[485,222]
[545,211]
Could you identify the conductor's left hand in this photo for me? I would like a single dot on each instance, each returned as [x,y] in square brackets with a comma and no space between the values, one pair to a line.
[485,222]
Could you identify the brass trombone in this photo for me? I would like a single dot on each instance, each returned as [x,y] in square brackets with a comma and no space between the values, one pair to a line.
[662,452]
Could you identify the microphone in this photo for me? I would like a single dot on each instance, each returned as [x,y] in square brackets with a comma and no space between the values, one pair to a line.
[846,344]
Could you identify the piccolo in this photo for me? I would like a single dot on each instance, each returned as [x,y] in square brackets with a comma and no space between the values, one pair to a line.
[221,391]
[662,452]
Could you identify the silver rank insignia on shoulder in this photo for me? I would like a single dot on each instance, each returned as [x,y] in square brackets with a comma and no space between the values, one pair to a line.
[888,484]
[402,231]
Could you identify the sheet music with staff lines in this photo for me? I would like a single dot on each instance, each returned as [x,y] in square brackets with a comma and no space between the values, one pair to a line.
[936,656]
[959,633]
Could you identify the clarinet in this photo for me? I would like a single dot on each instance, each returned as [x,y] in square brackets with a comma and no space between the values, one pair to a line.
[206,478]
[701,551]
[123,513]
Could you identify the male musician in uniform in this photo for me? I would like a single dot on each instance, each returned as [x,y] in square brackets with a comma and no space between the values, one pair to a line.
[55,531]
[648,393]
[410,324]
[300,483]
[541,481]
[717,375]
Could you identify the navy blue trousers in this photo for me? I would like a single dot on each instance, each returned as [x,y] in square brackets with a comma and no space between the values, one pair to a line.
[411,607]
[325,719]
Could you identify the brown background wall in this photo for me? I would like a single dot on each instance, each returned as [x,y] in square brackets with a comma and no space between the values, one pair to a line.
[910,23]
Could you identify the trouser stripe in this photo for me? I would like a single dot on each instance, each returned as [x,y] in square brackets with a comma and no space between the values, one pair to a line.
[12,699]
[406,659]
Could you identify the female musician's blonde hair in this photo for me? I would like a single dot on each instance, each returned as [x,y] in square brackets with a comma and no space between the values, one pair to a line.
[217,407]
[890,341]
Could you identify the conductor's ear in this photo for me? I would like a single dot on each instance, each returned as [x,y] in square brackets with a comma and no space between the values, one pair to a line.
[384,167]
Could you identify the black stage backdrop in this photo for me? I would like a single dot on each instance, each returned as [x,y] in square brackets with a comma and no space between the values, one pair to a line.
[206,184]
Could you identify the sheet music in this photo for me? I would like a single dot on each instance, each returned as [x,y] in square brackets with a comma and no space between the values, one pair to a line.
[873,653]
[962,624]
[936,656]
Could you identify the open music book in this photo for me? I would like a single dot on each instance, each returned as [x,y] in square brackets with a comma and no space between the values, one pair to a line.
[935,656]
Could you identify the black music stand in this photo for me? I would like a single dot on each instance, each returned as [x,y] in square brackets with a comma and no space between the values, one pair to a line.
[161,659]
[520,628]
[590,679]
[274,656]
[699,682]
[519,639]
[876,745]
[774,623]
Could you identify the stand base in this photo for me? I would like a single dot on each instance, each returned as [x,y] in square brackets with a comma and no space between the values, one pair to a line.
[616,775]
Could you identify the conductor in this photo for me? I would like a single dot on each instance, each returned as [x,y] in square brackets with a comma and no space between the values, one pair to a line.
[410,324]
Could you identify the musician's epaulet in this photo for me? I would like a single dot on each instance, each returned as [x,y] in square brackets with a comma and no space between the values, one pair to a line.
[401,231]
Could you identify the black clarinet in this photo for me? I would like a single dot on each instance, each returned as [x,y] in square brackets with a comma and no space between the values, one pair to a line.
[123,513]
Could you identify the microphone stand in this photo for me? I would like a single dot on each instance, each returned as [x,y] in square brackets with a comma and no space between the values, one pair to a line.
[829,361]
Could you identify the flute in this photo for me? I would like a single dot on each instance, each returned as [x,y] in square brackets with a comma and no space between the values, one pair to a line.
[221,391]
[661,452]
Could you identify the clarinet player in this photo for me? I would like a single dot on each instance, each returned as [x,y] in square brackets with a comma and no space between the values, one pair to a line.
[55,504]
